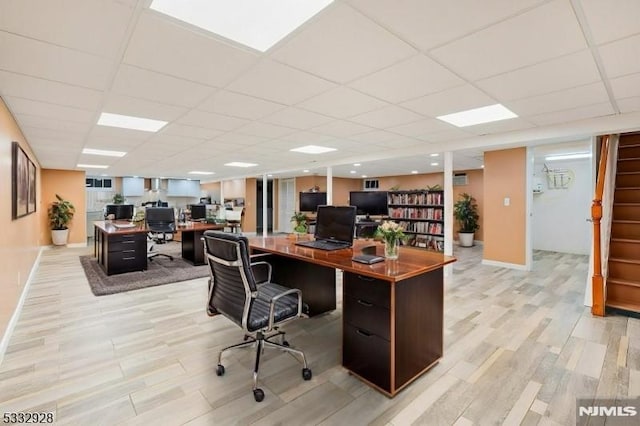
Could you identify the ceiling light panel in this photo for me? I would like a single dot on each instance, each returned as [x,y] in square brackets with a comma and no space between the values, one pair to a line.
[196,172]
[103,152]
[258,25]
[313,149]
[130,122]
[92,166]
[571,156]
[240,164]
[487,114]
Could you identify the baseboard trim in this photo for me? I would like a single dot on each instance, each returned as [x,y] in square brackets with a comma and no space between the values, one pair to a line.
[70,245]
[4,343]
[516,266]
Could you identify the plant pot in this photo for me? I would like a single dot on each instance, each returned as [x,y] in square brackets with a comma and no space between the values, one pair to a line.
[466,239]
[59,236]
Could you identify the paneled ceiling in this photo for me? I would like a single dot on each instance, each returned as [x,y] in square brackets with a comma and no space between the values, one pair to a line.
[367,77]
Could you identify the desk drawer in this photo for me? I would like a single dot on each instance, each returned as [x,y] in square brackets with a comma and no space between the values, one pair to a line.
[369,290]
[126,261]
[119,238]
[367,355]
[368,317]
[127,245]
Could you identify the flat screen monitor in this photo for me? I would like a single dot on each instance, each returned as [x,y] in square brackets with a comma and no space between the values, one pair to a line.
[198,211]
[370,203]
[119,211]
[309,201]
[336,223]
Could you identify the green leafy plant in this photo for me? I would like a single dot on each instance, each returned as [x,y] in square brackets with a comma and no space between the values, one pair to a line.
[118,198]
[300,222]
[60,213]
[465,211]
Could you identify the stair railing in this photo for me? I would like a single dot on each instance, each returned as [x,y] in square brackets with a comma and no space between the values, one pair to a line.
[597,281]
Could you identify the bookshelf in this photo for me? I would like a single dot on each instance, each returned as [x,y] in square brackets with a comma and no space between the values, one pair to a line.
[421,214]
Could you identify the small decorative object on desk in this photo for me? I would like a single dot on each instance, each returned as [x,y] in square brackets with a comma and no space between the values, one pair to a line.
[391,233]
[299,222]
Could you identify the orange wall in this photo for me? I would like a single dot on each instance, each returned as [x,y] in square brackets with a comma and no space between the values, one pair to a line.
[419,181]
[234,188]
[20,240]
[70,185]
[475,188]
[505,226]
[250,208]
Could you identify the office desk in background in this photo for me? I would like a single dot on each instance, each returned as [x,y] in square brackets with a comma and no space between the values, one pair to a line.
[192,244]
[392,311]
[119,249]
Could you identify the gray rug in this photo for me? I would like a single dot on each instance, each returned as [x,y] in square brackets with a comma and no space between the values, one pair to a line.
[160,271]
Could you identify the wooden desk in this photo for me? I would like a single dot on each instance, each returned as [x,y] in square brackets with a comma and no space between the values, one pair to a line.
[192,245]
[120,249]
[392,311]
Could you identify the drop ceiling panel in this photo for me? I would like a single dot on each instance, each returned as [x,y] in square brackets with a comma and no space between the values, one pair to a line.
[172,140]
[286,85]
[302,138]
[125,105]
[567,116]
[171,48]
[152,86]
[237,105]
[47,110]
[37,89]
[97,27]
[342,102]
[610,21]
[540,34]
[431,23]
[388,116]
[374,136]
[626,86]
[38,137]
[563,73]
[509,125]
[296,118]
[71,127]
[561,100]
[421,128]
[341,129]
[211,120]
[414,77]
[629,104]
[621,57]
[265,130]
[449,101]
[119,144]
[38,59]
[114,132]
[355,46]
[234,139]
[190,131]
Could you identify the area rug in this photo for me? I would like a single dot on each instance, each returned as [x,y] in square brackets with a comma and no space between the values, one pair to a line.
[161,270]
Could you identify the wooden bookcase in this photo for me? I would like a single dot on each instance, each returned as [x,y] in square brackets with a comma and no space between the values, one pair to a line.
[421,214]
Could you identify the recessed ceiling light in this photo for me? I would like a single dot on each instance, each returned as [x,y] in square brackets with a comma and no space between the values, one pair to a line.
[269,175]
[353,172]
[106,153]
[482,166]
[257,24]
[92,166]
[356,165]
[435,154]
[364,176]
[129,122]
[415,172]
[103,174]
[197,172]
[313,149]
[475,116]
[572,156]
[434,164]
[240,164]
[305,171]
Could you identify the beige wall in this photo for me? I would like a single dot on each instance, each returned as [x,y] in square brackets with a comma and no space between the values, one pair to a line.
[250,208]
[341,189]
[474,187]
[70,185]
[20,240]
[505,226]
[234,188]
[419,181]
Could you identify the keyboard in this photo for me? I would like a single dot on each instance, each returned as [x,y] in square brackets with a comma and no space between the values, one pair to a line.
[323,245]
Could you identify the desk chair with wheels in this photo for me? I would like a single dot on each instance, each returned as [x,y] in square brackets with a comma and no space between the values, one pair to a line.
[257,308]
[160,223]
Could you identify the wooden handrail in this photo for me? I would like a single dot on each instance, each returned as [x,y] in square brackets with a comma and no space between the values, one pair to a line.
[597,281]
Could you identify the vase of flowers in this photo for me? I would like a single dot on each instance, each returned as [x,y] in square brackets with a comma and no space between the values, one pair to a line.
[391,234]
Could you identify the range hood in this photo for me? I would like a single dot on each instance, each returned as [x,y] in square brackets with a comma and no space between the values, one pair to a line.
[155,184]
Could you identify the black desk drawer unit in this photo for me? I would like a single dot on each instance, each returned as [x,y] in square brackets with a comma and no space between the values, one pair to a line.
[125,253]
[367,329]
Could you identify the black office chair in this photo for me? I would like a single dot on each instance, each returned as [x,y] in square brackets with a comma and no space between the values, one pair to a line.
[160,221]
[258,308]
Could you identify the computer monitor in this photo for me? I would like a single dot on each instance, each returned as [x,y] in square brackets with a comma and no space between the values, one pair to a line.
[163,203]
[198,211]
[309,201]
[369,203]
[336,223]
[119,211]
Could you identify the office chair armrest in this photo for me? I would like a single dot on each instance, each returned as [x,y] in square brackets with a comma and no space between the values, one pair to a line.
[272,303]
[261,272]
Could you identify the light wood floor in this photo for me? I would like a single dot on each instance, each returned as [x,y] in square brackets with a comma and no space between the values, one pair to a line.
[519,348]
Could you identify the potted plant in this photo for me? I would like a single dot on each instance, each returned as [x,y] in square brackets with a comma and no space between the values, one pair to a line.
[60,214]
[465,211]
[118,198]
[300,223]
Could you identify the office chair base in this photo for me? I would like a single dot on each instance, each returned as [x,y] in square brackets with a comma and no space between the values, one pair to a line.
[150,258]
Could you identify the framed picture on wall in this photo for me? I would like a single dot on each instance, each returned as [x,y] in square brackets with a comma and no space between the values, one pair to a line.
[23,183]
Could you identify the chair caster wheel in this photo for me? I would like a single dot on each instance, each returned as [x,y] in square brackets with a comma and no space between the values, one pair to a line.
[285,343]
[220,370]
[306,374]
[258,394]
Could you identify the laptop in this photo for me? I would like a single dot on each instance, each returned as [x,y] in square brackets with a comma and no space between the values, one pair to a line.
[335,226]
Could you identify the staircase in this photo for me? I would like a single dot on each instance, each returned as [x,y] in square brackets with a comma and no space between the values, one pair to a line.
[623,282]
